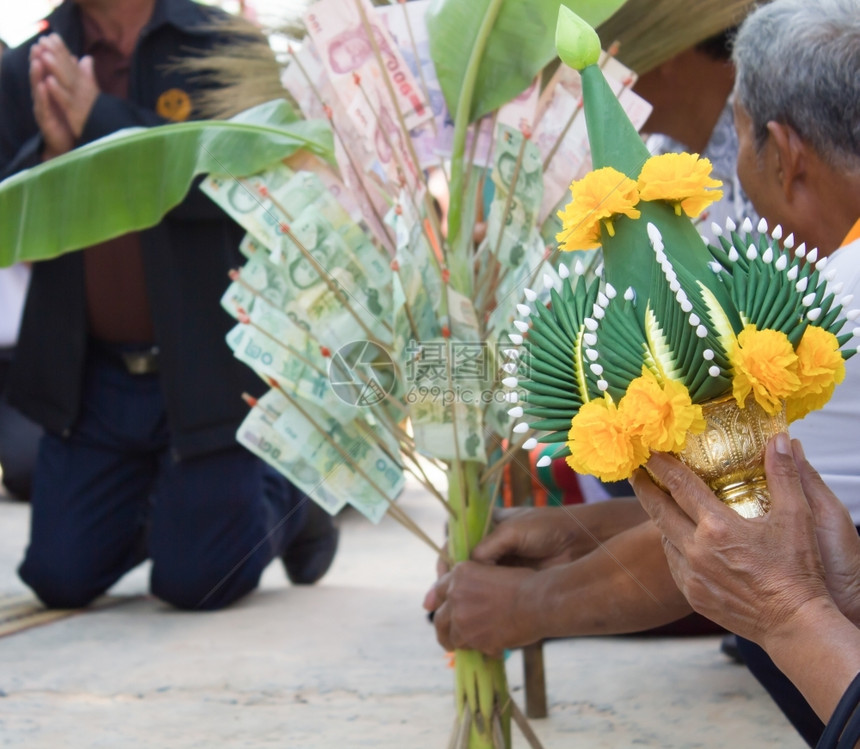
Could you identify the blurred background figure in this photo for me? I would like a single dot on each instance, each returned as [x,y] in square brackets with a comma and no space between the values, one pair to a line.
[121,355]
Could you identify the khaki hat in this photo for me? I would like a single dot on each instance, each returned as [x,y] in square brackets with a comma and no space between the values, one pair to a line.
[653,31]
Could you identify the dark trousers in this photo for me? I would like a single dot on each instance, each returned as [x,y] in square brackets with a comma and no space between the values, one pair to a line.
[111,494]
[19,440]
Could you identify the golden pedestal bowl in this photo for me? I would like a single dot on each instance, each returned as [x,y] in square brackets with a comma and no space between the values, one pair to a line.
[729,454]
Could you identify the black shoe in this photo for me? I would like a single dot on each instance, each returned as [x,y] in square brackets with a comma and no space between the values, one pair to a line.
[729,647]
[311,553]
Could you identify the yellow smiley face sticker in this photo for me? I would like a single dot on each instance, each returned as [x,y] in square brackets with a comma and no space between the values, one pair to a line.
[174,105]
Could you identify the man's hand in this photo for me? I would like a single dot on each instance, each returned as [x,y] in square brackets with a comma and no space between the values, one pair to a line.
[548,536]
[751,576]
[70,83]
[50,118]
[483,607]
[837,537]
[533,537]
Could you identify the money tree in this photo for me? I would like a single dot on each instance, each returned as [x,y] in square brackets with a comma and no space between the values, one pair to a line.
[387,328]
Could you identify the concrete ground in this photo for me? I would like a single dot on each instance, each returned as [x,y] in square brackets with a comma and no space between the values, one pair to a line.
[351,662]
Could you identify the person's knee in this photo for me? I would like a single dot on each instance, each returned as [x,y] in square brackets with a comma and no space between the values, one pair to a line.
[59,586]
[204,590]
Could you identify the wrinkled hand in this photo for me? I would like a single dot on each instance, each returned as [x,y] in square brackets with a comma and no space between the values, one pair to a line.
[483,607]
[533,537]
[837,537]
[70,83]
[750,576]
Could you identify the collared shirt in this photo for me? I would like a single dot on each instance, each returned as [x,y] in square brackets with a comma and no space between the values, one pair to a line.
[118,308]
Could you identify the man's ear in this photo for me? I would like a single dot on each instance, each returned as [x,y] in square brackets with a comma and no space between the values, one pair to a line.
[791,157]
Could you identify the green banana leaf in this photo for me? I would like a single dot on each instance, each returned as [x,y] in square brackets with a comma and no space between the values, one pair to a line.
[521,43]
[132,178]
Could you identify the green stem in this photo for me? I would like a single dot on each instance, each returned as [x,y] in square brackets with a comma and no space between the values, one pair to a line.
[462,122]
[481,683]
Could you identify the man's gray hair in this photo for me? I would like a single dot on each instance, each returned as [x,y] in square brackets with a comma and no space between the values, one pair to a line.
[798,63]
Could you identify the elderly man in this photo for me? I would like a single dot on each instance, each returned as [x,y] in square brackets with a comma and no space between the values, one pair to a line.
[584,570]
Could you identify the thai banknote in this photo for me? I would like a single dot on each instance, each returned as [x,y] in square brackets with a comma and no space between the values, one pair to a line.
[417,283]
[447,389]
[328,276]
[257,434]
[406,24]
[448,430]
[306,79]
[374,96]
[513,216]
[348,462]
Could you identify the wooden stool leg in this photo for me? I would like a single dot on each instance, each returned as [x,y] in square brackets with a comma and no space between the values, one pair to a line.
[533,672]
[535,681]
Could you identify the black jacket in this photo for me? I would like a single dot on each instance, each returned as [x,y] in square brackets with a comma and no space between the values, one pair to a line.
[186,257]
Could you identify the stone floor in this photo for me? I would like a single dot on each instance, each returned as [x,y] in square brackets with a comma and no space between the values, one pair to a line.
[351,662]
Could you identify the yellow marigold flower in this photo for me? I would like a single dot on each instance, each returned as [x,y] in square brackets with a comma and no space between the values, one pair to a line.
[660,415]
[599,196]
[601,444]
[765,364]
[820,369]
[682,179]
